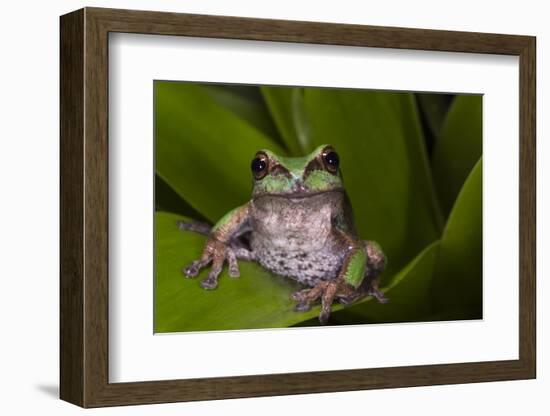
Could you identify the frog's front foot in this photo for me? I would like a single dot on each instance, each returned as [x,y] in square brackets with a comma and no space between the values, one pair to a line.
[215,252]
[305,298]
[326,291]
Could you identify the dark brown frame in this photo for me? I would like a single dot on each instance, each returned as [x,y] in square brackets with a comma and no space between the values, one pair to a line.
[84,207]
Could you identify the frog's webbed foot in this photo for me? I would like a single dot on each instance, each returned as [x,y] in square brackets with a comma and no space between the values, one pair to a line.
[242,252]
[375,292]
[195,226]
[307,297]
[368,288]
[215,252]
[350,298]
[326,291]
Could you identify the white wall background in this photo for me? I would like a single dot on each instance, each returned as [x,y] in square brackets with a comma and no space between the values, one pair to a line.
[29,85]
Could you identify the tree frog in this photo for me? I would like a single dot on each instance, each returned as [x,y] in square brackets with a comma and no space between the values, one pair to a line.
[298,224]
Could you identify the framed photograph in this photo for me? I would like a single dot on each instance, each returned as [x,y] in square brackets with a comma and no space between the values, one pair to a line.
[255,207]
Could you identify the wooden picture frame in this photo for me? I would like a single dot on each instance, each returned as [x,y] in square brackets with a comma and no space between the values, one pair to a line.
[84,207]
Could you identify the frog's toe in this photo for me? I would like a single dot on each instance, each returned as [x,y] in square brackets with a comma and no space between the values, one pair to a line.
[233,264]
[209,283]
[302,306]
[378,295]
[347,300]
[324,315]
[192,270]
[329,293]
[299,295]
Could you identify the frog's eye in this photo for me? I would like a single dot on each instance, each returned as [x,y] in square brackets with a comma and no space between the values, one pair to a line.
[331,160]
[259,166]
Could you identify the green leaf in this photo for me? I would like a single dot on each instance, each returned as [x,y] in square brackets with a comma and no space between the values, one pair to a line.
[408,291]
[384,165]
[434,108]
[258,299]
[203,150]
[287,109]
[458,148]
[166,199]
[247,103]
[458,278]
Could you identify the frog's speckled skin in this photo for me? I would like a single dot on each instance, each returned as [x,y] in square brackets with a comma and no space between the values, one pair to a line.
[298,224]
[295,237]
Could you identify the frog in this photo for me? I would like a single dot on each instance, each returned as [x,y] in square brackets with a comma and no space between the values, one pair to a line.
[298,224]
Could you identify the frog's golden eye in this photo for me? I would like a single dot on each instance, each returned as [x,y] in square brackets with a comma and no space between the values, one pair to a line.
[331,159]
[259,166]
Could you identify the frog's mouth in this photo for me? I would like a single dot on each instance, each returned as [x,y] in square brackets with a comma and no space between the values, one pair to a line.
[303,194]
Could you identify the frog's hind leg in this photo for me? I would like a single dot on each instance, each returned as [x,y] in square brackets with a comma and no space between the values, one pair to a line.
[376,263]
[242,253]
[195,226]
[240,244]
[240,249]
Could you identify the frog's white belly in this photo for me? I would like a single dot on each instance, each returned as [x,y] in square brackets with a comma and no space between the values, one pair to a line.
[295,239]
[307,267]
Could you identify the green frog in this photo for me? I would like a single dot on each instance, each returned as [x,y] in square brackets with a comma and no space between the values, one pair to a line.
[298,224]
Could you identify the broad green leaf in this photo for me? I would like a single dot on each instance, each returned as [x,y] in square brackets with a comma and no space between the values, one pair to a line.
[384,165]
[458,148]
[247,103]
[458,282]
[203,150]
[408,292]
[286,107]
[257,299]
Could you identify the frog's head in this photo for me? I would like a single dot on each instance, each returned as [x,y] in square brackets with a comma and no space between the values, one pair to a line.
[296,176]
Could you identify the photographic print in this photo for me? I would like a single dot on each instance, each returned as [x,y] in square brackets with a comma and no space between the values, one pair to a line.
[280,207]
[305,193]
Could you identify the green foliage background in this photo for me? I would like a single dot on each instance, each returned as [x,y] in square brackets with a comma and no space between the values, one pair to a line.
[412,165]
